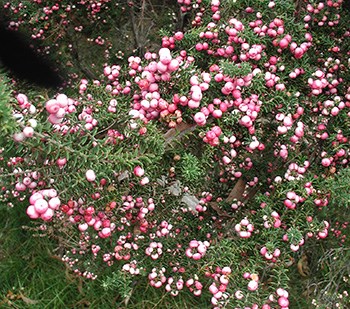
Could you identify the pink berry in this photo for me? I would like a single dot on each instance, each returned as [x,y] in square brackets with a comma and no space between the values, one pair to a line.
[283,302]
[22,99]
[20,186]
[217,113]
[52,106]
[283,43]
[139,171]
[106,232]
[32,213]
[298,52]
[294,248]
[193,104]
[178,36]
[199,118]
[54,119]
[61,162]
[326,162]
[173,65]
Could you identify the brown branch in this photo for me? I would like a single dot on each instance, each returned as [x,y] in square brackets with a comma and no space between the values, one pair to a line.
[138,28]
[237,191]
[178,132]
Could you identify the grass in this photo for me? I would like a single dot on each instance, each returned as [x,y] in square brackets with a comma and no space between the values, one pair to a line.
[29,274]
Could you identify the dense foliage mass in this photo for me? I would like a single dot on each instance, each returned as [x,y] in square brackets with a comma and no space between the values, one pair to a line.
[215,166]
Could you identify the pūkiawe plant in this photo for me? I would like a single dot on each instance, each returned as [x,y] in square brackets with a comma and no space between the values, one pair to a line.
[201,168]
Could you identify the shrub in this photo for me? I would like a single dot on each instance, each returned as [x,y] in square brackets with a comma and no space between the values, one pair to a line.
[206,167]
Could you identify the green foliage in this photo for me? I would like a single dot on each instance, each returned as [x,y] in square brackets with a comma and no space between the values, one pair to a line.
[231,69]
[120,282]
[191,169]
[339,185]
[8,124]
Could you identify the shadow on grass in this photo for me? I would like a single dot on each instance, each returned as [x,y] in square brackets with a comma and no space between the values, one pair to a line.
[30,276]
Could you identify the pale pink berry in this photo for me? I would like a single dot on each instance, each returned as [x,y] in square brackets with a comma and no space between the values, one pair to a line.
[239,294]
[54,203]
[283,43]
[54,119]
[294,247]
[33,123]
[144,181]
[193,104]
[62,100]
[90,175]
[323,234]
[173,65]
[197,96]
[27,181]
[213,289]
[252,285]
[217,113]
[277,252]
[19,137]
[226,160]
[224,280]
[161,67]
[245,234]
[246,275]
[326,162]
[197,256]
[34,197]
[49,193]
[165,58]
[298,52]
[202,248]
[60,113]
[226,270]
[83,227]
[263,250]
[41,206]
[188,252]
[28,131]
[106,232]
[47,215]
[22,99]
